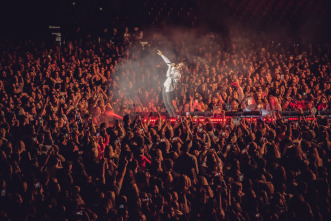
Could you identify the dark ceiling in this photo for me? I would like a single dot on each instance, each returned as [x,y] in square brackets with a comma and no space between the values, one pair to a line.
[33,17]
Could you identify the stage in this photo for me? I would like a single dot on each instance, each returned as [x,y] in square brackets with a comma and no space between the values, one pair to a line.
[236,116]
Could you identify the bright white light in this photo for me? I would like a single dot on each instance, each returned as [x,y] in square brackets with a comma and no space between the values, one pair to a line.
[100,8]
[73,3]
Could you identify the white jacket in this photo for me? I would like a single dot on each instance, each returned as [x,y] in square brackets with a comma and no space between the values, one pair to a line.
[173,76]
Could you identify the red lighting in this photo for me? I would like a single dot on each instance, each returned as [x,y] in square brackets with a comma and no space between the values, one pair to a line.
[269,119]
[296,118]
[112,114]
[251,119]
[215,120]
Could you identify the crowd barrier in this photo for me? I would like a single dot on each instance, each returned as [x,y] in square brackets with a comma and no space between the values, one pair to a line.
[236,116]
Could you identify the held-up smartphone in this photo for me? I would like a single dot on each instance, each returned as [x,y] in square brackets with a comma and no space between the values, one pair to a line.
[218,174]
[36,185]
[79,213]
[3,192]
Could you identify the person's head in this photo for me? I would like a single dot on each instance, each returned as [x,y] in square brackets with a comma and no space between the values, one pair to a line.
[126,120]
[286,105]
[273,100]
[2,133]
[179,66]
[324,100]
[235,95]
[234,104]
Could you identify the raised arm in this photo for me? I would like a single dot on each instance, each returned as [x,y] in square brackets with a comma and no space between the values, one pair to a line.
[241,94]
[240,91]
[166,60]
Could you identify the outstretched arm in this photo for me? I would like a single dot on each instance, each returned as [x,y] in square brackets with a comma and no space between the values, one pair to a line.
[240,91]
[166,60]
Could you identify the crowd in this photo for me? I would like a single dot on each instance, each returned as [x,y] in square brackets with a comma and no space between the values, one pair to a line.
[65,156]
[254,75]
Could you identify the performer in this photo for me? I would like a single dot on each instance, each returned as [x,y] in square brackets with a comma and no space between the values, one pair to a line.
[169,86]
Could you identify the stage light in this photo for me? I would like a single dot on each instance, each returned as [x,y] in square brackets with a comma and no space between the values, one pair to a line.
[217,120]
[100,8]
[112,114]
[73,3]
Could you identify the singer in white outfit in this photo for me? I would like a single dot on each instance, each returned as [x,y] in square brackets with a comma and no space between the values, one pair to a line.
[169,86]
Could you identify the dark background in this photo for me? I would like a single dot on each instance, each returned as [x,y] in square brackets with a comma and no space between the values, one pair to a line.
[30,19]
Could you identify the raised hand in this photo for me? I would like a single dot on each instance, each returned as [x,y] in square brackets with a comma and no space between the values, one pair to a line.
[126,161]
[159,52]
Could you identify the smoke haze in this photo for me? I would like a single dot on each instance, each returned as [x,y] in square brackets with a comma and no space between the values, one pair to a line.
[148,70]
